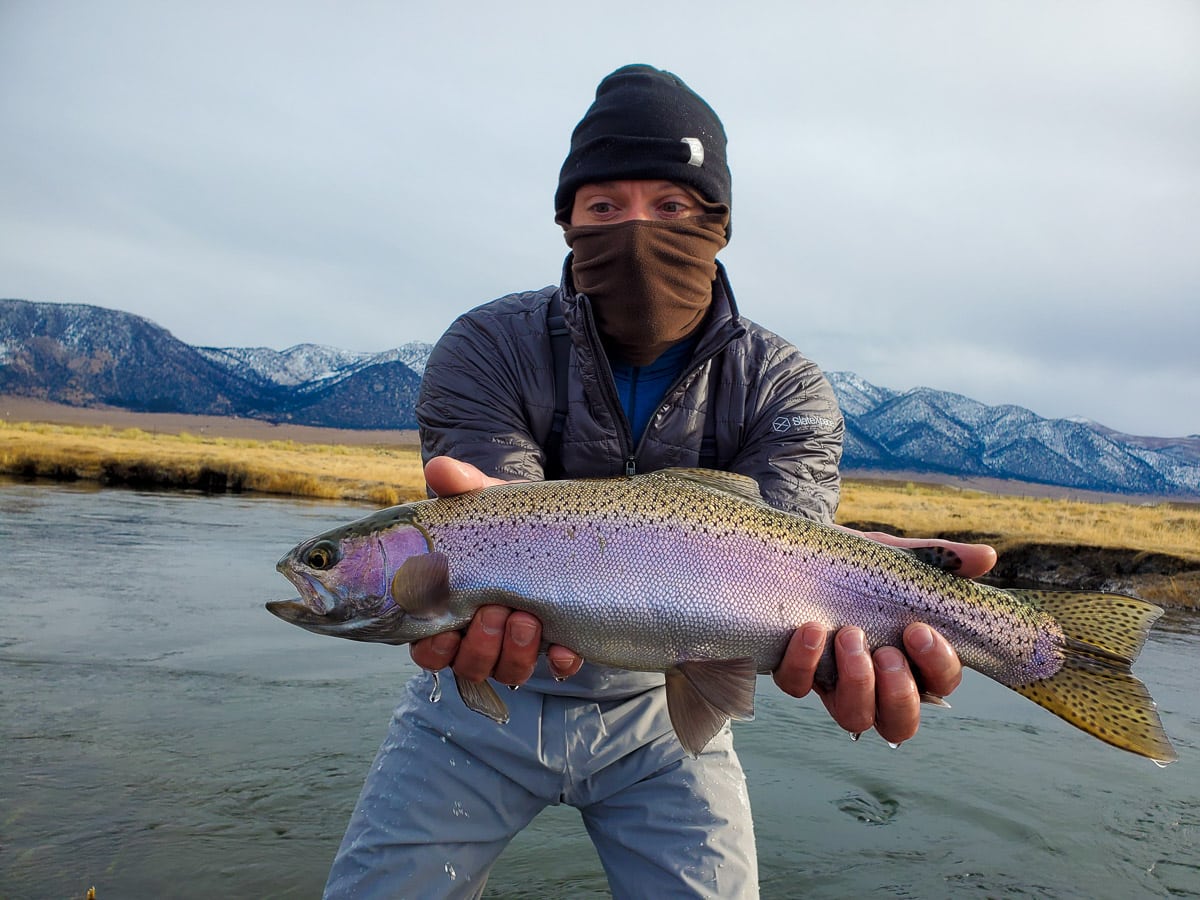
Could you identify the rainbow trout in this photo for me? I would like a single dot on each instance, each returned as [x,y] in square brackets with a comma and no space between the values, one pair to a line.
[690,573]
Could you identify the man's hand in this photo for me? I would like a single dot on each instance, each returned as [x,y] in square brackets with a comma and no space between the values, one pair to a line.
[878,689]
[500,643]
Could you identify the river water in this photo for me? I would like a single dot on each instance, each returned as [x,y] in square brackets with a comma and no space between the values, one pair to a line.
[162,735]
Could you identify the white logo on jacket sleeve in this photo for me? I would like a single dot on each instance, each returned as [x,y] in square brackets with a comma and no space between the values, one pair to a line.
[787,423]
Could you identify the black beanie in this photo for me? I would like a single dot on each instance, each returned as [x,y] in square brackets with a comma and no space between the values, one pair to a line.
[646,123]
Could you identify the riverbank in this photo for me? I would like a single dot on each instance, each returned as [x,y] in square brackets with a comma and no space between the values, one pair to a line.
[1151,548]
[381,475]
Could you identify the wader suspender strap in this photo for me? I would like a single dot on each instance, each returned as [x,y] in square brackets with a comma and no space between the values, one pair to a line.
[560,352]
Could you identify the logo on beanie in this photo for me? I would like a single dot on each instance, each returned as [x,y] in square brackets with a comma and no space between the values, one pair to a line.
[697,149]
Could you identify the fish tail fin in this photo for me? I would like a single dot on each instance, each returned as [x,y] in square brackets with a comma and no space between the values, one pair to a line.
[1095,689]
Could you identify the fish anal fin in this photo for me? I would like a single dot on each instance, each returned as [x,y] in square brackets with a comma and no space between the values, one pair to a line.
[481,697]
[695,720]
[421,586]
[1105,700]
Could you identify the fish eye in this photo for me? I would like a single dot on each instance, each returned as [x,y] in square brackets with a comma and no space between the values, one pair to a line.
[322,555]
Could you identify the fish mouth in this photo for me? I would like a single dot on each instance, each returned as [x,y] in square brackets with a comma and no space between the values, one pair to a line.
[295,611]
[318,598]
[385,627]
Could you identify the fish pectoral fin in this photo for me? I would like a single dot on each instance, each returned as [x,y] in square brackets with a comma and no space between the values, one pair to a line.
[702,695]
[481,697]
[421,586]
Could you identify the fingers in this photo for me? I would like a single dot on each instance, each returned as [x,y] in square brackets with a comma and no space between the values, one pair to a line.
[897,700]
[852,701]
[967,560]
[499,643]
[937,664]
[796,670]
[876,690]
[563,662]
[447,476]
[435,652]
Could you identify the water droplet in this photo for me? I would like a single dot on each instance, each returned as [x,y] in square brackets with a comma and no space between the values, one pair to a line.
[436,694]
[855,735]
[894,745]
[513,687]
[450,871]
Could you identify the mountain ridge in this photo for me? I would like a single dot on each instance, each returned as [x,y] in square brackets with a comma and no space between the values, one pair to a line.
[83,355]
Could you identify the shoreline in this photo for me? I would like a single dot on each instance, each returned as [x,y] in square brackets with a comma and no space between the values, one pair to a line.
[27,409]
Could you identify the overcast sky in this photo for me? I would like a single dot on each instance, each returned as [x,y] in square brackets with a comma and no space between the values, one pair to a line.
[998,198]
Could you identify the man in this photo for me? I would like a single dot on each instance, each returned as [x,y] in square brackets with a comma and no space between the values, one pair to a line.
[657,369]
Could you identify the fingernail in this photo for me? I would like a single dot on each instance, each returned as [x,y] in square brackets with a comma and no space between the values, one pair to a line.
[920,638]
[855,642]
[813,637]
[493,621]
[522,633]
[890,660]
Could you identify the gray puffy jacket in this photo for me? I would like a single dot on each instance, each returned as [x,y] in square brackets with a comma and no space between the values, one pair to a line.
[487,397]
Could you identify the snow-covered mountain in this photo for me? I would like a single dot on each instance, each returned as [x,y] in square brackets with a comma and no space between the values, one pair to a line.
[86,356]
[928,430]
[309,364]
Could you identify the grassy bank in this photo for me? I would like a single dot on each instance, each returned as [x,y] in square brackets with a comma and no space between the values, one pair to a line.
[1154,547]
[382,475]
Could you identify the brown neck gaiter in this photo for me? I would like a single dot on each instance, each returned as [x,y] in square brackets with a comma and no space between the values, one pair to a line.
[649,282]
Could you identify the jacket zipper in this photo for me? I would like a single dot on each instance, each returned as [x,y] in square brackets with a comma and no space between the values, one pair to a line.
[608,385]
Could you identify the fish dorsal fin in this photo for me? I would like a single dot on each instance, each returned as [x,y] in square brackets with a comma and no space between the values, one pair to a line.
[741,486]
[421,586]
[702,695]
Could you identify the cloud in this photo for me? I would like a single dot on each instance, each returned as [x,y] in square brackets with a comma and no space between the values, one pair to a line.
[996,198]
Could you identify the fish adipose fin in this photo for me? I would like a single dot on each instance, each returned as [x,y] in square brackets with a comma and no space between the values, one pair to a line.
[482,698]
[1095,690]
[702,695]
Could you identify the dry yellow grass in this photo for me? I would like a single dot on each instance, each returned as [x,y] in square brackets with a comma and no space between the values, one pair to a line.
[379,475]
[1003,520]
